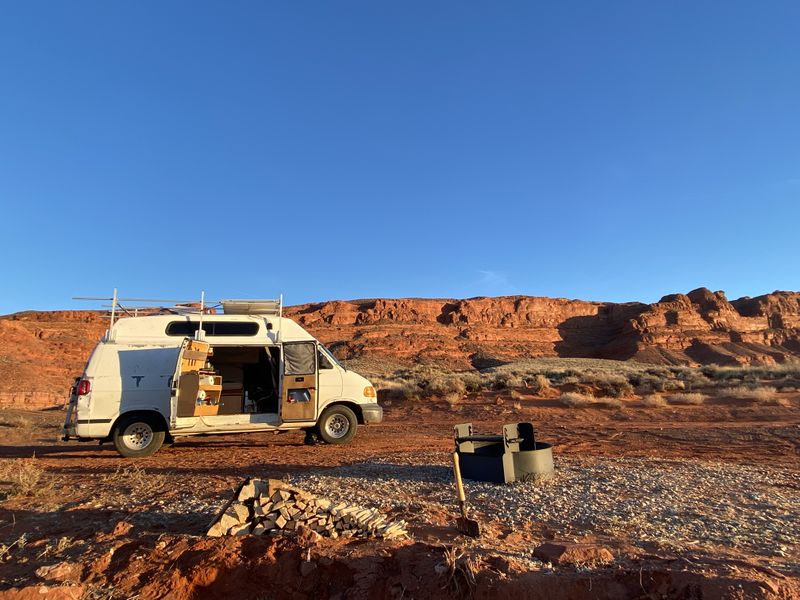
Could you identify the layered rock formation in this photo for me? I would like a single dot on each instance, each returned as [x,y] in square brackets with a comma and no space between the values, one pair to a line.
[698,328]
[41,352]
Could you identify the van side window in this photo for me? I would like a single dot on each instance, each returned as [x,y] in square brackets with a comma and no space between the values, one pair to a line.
[324,363]
[300,358]
[221,328]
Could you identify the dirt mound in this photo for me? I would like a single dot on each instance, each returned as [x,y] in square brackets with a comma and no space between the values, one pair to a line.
[43,351]
[261,567]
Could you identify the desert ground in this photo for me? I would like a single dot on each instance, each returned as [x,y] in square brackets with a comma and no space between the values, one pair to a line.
[661,491]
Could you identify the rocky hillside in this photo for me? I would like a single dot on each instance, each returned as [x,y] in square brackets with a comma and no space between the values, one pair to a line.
[42,351]
[701,327]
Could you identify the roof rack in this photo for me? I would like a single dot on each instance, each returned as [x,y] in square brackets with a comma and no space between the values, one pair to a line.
[229,307]
[253,307]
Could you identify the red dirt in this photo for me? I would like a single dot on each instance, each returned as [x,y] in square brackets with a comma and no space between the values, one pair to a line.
[136,548]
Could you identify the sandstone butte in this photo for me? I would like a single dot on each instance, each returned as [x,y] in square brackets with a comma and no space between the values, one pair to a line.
[42,352]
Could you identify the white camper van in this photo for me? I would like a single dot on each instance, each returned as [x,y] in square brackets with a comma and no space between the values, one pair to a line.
[250,369]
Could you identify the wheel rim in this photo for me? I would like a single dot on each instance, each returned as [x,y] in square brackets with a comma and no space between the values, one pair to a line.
[337,426]
[137,436]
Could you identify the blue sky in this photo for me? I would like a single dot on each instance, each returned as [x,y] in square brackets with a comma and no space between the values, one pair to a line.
[598,150]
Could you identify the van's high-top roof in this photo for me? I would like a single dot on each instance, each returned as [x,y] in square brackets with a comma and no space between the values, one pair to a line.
[169,330]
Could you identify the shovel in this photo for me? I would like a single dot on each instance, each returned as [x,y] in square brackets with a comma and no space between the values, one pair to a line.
[465,525]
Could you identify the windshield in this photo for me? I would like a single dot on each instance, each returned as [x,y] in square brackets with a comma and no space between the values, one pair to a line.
[330,355]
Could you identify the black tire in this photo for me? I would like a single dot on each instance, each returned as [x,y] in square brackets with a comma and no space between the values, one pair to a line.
[136,436]
[337,425]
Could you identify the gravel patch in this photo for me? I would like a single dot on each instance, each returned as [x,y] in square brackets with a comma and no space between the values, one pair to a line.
[678,504]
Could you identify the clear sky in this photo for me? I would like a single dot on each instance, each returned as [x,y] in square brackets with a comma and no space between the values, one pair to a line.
[596,150]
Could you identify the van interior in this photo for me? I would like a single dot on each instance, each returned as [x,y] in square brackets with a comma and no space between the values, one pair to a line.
[249,378]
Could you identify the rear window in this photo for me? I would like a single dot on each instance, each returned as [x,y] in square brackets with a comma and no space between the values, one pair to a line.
[218,328]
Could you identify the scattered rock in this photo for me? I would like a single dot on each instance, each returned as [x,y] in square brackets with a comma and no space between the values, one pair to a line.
[272,506]
[60,572]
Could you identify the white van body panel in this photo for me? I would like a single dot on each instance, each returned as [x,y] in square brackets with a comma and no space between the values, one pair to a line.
[132,369]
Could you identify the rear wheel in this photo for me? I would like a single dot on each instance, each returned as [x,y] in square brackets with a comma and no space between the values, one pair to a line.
[138,435]
[337,425]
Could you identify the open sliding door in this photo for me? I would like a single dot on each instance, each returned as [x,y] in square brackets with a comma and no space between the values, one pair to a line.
[299,393]
[195,390]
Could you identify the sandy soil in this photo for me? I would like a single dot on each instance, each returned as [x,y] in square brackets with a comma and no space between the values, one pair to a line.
[106,527]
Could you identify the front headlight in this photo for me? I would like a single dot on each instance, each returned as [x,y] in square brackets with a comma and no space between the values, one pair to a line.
[369,392]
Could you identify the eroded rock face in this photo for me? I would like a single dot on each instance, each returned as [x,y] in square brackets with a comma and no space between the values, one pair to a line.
[700,327]
[41,352]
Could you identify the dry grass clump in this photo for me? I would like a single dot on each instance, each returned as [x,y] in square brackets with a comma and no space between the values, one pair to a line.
[134,478]
[654,401]
[439,386]
[652,382]
[759,394]
[459,572]
[453,399]
[689,398]
[752,373]
[539,383]
[24,477]
[508,379]
[606,402]
[576,400]
[11,420]
[608,384]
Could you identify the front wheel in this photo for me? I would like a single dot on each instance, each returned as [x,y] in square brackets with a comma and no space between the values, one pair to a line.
[138,436]
[337,425]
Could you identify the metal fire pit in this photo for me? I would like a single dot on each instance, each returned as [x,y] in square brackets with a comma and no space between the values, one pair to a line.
[513,456]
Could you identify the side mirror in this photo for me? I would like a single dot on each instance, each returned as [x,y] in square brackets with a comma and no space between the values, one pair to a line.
[269,326]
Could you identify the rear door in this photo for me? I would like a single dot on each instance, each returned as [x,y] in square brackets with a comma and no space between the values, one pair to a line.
[186,382]
[299,393]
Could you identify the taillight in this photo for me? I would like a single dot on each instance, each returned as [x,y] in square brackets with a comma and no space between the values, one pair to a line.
[84,387]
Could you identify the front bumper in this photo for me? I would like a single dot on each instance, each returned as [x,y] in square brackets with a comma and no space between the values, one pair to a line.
[372,413]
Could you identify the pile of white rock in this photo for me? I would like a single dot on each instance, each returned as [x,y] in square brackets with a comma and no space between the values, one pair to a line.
[270,506]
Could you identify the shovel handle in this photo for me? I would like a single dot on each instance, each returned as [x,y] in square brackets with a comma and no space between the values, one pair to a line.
[457,471]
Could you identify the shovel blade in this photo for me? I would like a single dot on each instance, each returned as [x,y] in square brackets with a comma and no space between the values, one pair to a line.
[468,527]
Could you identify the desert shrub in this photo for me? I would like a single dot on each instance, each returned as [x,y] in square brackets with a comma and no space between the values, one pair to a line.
[654,401]
[786,385]
[576,400]
[397,390]
[658,383]
[759,394]
[694,378]
[25,476]
[689,398]
[777,401]
[609,402]
[453,398]
[472,382]
[507,379]
[539,383]
[9,420]
[445,385]
[752,374]
[408,391]
[609,384]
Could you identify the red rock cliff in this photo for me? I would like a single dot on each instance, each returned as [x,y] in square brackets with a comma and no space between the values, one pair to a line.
[41,352]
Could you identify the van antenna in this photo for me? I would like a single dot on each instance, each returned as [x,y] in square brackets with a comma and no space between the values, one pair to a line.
[113,309]
[198,335]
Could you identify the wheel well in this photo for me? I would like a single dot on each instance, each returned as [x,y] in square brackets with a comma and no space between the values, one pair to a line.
[351,405]
[152,415]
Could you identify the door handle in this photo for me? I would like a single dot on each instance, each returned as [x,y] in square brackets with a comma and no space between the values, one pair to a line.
[299,379]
